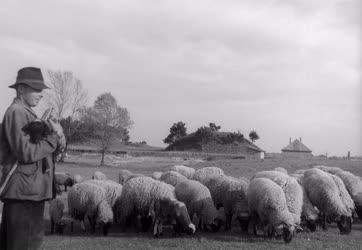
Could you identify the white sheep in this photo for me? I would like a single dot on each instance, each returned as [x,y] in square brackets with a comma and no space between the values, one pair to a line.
[203,175]
[147,197]
[310,214]
[325,194]
[56,211]
[199,202]
[230,193]
[156,175]
[184,170]
[172,178]
[62,178]
[98,175]
[267,203]
[89,199]
[124,175]
[292,189]
[352,182]
[112,188]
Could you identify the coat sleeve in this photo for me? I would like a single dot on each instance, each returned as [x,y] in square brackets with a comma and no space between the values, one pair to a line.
[25,151]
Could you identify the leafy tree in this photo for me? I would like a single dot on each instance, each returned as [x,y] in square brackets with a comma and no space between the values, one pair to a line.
[204,133]
[214,127]
[253,136]
[108,121]
[177,131]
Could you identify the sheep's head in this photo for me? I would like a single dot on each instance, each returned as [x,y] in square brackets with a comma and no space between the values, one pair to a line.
[344,224]
[59,227]
[180,214]
[37,130]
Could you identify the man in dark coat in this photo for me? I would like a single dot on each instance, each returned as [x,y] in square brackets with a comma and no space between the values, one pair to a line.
[31,184]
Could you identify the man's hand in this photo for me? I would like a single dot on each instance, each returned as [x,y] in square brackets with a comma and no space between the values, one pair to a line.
[57,128]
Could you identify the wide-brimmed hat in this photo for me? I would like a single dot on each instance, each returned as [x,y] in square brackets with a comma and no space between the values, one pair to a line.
[31,77]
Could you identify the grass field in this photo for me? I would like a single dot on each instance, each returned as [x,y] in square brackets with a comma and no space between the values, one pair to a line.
[86,164]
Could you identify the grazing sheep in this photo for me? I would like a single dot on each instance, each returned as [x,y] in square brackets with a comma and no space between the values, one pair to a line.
[325,194]
[184,170]
[172,178]
[65,179]
[89,199]
[147,197]
[267,203]
[199,202]
[56,211]
[203,175]
[310,214]
[293,191]
[112,188]
[230,193]
[125,175]
[352,182]
[156,175]
[98,175]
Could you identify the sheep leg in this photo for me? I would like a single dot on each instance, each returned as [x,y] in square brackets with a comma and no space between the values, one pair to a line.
[82,225]
[228,220]
[51,226]
[155,227]
[65,188]
[72,226]
[252,225]
[92,223]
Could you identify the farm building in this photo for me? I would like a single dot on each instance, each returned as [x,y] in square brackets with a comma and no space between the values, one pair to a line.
[296,149]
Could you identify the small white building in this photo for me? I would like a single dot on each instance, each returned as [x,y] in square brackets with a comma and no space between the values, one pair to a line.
[296,149]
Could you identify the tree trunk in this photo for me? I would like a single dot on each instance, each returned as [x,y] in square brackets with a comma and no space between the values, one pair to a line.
[102,161]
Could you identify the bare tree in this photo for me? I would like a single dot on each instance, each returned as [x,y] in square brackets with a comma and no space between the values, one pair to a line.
[67,96]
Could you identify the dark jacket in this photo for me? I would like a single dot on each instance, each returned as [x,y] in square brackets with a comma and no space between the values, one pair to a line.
[33,179]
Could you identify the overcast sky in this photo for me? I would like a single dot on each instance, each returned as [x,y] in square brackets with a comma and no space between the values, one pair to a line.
[284,68]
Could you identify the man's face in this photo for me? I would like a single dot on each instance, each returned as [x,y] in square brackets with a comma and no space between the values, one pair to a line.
[29,95]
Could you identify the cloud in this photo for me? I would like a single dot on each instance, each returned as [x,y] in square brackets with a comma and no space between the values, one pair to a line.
[275,66]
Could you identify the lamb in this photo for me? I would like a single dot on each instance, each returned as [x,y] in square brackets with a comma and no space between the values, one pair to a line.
[124,175]
[325,194]
[65,179]
[230,193]
[267,203]
[199,202]
[56,211]
[203,175]
[184,170]
[147,197]
[352,182]
[37,130]
[98,175]
[293,191]
[172,178]
[89,199]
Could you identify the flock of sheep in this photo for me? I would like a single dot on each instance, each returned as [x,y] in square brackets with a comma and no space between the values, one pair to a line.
[274,202]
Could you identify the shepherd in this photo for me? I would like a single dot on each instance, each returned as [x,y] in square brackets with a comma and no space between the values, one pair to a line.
[27,167]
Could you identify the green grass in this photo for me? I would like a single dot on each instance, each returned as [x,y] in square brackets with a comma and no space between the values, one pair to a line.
[86,164]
